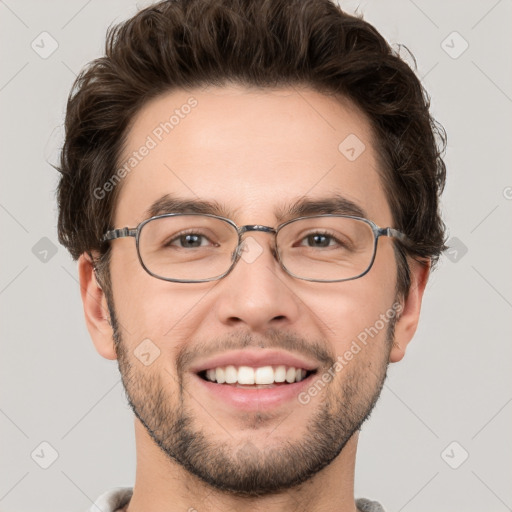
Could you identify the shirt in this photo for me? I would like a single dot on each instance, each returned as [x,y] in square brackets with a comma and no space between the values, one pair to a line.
[118,498]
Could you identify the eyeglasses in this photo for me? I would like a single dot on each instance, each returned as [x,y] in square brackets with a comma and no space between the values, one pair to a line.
[194,248]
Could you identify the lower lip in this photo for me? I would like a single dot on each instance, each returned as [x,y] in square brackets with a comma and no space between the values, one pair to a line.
[250,399]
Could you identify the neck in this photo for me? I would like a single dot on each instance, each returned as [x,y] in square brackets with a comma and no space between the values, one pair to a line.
[163,485]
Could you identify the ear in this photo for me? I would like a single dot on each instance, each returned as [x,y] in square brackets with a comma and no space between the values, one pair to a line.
[408,319]
[96,312]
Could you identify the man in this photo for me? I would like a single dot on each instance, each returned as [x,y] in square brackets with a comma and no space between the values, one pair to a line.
[251,191]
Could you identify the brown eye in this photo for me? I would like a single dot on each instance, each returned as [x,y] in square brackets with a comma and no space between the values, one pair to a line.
[190,240]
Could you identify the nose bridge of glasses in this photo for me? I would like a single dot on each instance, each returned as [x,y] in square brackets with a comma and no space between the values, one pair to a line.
[255,227]
[252,228]
[242,230]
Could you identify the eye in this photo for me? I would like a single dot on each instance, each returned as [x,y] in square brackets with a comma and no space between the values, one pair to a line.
[320,240]
[188,240]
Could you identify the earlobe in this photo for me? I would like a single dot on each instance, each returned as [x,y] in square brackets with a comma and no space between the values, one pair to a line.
[408,317]
[96,312]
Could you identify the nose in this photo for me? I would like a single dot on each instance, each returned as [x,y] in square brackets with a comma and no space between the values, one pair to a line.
[257,293]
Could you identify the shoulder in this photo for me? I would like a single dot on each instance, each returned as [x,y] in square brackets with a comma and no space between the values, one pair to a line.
[112,500]
[365,505]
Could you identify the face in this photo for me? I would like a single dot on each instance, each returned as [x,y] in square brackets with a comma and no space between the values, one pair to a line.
[253,154]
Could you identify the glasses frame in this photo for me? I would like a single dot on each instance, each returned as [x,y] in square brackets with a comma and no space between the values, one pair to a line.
[114,234]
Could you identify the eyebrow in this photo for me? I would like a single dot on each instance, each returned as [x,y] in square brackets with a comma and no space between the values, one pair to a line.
[174,204]
[303,207]
[307,206]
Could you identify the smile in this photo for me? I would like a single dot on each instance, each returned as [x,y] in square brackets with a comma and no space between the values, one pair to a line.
[247,376]
[255,397]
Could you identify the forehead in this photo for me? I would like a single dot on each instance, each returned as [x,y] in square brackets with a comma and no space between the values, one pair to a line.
[253,153]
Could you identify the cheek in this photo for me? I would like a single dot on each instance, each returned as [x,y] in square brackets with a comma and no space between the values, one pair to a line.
[360,329]
[356,311]
[138,301]
[147,307]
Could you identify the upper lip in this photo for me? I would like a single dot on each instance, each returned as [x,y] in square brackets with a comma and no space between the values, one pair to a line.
[255,358]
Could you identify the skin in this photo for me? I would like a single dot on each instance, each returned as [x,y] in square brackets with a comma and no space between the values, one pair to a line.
[253,151]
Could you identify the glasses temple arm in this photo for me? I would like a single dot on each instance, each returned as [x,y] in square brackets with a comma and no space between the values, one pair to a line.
[118,233]
[394,233]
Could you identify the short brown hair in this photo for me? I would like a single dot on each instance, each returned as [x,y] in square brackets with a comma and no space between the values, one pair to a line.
[259,43]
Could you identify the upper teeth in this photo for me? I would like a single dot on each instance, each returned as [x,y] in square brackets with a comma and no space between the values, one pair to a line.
[249,375]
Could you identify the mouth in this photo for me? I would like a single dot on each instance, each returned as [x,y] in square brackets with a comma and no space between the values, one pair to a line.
[261,377]
[244,396]
[254,380]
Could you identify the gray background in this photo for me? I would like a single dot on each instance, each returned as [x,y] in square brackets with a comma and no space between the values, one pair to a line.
[454,384]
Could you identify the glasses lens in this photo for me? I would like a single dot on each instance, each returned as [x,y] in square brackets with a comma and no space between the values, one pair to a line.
[326,248]
[187,247]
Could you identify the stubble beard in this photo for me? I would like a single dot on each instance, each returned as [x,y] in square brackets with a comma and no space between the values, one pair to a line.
[239,467]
